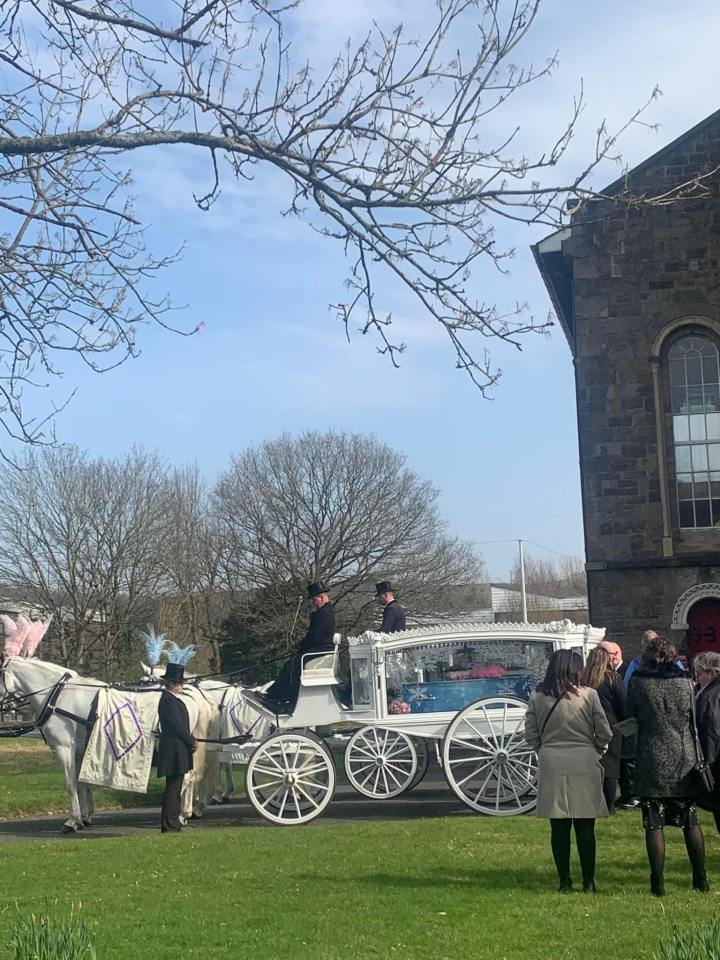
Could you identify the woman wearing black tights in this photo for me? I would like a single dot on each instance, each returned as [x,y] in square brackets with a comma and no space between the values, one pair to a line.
[566,725]
[660,697]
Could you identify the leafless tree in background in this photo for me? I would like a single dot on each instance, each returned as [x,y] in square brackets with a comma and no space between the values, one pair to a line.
[564,577]
[83,539]
[388,150]
[341,508]
[194,600]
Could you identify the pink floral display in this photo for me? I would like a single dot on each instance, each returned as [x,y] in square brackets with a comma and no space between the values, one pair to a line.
[399,706]
[487,673]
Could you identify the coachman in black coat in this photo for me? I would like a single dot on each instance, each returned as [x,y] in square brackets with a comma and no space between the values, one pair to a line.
[175,749]
[283,694]
[393,618]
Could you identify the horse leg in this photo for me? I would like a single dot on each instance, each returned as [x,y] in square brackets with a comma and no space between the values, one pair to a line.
[186,798]
[87,804]
[229,784]
[66,756]
[85,796]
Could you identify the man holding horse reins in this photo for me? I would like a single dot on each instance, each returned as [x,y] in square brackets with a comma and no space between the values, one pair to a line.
[282,695]
[176,746]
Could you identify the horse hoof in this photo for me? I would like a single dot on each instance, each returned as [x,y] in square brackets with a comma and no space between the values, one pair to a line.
[87,823]
[226,800]
[68,828]
[215,803]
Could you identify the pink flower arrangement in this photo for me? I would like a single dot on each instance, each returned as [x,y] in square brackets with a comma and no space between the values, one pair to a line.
[399,706]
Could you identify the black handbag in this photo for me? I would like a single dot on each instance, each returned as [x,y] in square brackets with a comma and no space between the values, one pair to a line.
[704,778]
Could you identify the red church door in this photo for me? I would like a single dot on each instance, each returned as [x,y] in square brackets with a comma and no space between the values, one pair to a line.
[704,626]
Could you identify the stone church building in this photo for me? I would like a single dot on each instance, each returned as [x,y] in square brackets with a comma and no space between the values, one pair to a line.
[637,292]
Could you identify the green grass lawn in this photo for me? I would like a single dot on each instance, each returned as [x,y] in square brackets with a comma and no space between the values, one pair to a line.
[31,783]
[460,888]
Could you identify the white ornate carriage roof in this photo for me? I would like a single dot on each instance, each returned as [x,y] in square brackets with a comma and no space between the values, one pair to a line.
[447,632]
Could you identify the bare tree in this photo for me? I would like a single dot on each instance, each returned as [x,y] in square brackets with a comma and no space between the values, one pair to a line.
[342,508]
[385,151]
[83,539]
[564,577]
[193,601]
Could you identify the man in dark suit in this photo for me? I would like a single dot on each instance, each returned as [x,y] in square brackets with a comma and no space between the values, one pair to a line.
[393,618]
[282,695]
[176,746]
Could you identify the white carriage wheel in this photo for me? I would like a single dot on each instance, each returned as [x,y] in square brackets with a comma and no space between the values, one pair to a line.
[290,778]
[486,759]
[379,763]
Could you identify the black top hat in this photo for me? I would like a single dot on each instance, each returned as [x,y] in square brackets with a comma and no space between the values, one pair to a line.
[315,589]
[383,587]
[174,673]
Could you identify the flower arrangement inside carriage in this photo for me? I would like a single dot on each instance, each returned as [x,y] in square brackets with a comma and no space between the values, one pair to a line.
[446,677]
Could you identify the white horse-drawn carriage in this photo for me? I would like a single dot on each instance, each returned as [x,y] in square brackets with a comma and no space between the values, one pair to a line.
[462,688]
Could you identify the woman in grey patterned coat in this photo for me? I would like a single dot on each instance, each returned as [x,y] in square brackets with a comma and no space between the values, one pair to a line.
[660,697]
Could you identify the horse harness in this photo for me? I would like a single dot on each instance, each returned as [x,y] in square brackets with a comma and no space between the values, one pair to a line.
[48,709]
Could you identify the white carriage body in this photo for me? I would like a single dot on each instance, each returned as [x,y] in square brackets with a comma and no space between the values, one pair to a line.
[417,680]
[466,685]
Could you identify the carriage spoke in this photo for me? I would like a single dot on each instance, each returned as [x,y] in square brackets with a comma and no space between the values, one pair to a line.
[479,735]
[485,783]
[490,725]
[270,772]
[290,778]
[361,765]
[474,772]
[310,800]
[400,769]
[387,768]
[511,738]
[486,759]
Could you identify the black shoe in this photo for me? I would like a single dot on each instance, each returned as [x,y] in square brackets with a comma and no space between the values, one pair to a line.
[589,886]
[630,805]
[565,886]
[657,886]
[700,882]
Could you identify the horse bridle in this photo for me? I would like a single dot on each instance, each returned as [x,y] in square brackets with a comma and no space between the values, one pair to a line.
[14,701]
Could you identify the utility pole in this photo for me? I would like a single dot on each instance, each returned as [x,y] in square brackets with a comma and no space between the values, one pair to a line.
[522,582]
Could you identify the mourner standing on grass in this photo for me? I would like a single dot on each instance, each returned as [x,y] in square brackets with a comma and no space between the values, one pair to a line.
[282,696]
[706,667]
[176,746]
[661,698]
[566,725]
[393,618]
[600,674]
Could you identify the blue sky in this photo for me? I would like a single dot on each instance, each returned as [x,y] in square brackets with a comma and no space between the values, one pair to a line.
[272,357]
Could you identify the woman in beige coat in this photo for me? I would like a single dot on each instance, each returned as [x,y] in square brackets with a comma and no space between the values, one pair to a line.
[567,726]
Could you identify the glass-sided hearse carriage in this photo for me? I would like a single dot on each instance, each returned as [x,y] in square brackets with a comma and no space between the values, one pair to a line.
[463,688]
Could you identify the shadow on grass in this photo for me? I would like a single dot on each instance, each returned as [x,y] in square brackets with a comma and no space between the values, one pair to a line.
[483,878]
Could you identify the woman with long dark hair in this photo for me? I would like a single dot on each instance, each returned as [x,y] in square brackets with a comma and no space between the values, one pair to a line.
[660,697]
[601,675]
[566,725]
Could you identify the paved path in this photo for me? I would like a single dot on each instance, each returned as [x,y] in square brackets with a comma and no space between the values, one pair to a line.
[431,798]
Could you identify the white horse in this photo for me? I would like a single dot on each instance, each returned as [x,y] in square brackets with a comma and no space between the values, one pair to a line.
[201,783]
[61,722]
[62,702]
[235,717]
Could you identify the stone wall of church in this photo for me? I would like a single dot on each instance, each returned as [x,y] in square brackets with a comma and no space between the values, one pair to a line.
[627,602]
[634,271]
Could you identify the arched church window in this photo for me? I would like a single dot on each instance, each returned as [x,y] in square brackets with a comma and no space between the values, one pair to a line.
[695,394]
